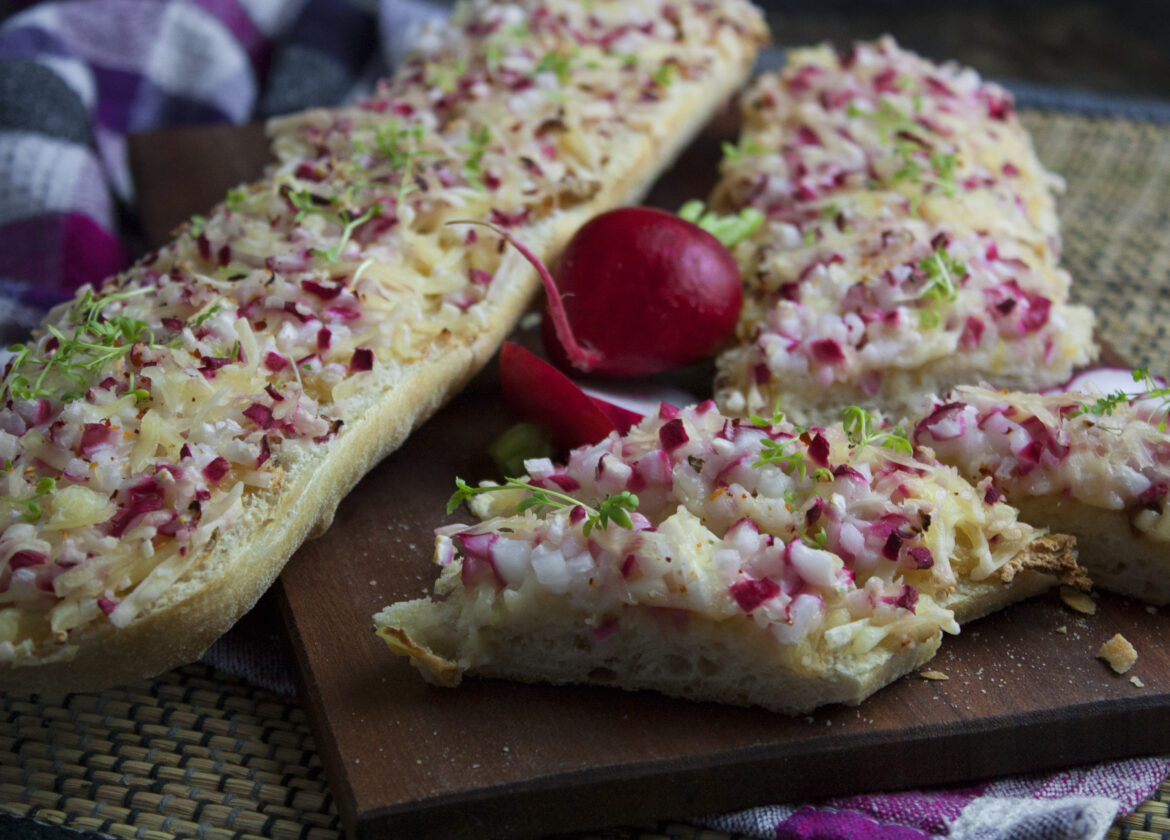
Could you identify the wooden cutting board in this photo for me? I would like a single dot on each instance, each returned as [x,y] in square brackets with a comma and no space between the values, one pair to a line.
[496,759]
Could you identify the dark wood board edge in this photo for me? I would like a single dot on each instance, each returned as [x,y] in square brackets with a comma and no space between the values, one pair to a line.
[767,776]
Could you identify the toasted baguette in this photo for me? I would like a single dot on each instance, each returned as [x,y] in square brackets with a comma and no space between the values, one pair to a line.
[265,360]
[1102,476]
[765,565]
[911,241]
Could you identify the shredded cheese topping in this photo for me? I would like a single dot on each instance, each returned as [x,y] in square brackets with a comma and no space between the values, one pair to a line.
[1054,445]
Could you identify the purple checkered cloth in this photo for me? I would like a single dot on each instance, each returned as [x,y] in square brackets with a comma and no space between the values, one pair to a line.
[1076,804]
[76,78]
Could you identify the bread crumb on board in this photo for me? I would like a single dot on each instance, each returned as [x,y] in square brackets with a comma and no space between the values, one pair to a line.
[1077,600]
[933,675]
[1119,653]
[1136,680]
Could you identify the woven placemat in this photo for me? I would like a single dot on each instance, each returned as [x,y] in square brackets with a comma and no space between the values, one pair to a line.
[193,753]
[198,754]
[1115,223]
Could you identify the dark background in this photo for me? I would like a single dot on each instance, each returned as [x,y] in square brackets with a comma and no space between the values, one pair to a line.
[1109,47]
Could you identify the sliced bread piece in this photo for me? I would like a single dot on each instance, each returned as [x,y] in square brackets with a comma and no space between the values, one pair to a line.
[910,244]
[1076,462]
[746,562]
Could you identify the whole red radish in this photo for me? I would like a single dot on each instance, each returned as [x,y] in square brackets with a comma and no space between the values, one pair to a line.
[643,291]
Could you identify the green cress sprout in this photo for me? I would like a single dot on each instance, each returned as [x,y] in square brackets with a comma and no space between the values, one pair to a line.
[862,429]
[615,508]
[473,167]
[727,229]
[1106,405]
[905,133]
[943,273]
[305,202]
[517,444]
[747,148]
[32,505]
[87,343]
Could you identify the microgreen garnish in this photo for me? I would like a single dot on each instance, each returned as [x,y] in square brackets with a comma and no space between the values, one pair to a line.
[746,148]
[862,429]
[556,62]
[1107,404]
[91,343]
[941,274]
[773,452]
[818,540]
[235,199]
[727,229]
[205,317]
[663,75]
[32,506]
[398,143]
[909,143]
[444,76]
[516,445]
[307,202]
[402,147]
[776,419]
[614,509]
[473,166]
[196,225]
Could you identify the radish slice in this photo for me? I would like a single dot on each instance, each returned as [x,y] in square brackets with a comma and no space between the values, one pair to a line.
[574,416]
[638,399]
[1107,381]
[1112,380]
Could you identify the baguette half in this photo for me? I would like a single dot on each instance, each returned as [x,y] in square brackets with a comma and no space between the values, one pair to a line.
[171,438]
[764,565]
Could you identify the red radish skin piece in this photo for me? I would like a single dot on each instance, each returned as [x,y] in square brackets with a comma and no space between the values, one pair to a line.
[575,415]
[642,291]
[537,391]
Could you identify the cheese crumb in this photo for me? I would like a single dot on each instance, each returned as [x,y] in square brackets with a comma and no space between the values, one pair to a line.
[1137,681]
[1077,600]
[1062,629]
[933,675]
[1119,653]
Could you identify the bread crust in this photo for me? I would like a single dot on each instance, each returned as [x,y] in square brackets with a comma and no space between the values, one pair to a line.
[1118,557]
[733,661]
[1042,564]
[243,563]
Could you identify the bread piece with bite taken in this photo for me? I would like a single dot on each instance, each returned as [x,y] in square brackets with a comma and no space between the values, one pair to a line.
[726,560]
[1079,462]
